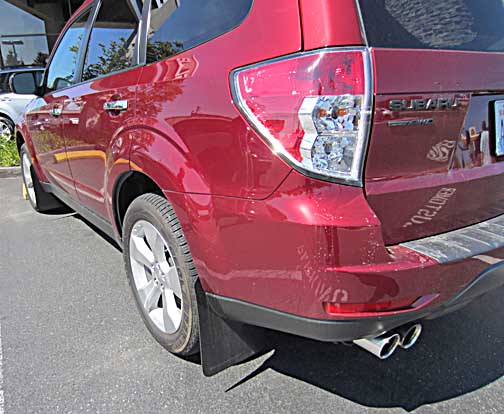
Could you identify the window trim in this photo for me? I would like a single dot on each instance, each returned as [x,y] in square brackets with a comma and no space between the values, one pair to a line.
[89,9]
[136,61]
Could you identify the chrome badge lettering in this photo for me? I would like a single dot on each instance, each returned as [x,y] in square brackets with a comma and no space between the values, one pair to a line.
[423,104]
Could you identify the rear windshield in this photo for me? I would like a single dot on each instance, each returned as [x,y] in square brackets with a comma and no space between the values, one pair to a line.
[435,24]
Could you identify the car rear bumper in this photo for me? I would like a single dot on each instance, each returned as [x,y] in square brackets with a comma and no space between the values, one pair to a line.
[350,329]
[313,243]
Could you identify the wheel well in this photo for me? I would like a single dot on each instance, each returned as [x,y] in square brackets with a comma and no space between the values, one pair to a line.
[19,141]
[6,116]
[130,186]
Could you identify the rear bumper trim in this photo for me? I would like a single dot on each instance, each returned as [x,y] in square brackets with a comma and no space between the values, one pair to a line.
[349,329]
[463,243]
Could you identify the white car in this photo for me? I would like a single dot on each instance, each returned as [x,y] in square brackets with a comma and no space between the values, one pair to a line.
[12,105]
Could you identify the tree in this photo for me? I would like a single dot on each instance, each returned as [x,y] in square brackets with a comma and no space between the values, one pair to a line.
[161,50]
[12,60]
[40,59]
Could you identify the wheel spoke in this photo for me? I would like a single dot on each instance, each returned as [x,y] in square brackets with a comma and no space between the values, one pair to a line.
[5,131]
[155,276]
[171,313]
[141,252]
[174,282]
[149,295]
[156,243]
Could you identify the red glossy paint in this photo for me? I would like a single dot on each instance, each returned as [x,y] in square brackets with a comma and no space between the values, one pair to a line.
[453,155]
[257,230]
[46,132]
[94,136]
[310,242]
[400,71]
[204,145]
[330,23]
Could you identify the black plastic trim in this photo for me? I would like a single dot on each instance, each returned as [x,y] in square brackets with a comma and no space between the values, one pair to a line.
[349,329]
[103,224]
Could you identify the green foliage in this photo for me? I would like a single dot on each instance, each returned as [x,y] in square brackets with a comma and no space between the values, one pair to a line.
[9,156]
[161,50]
[40,59]
[113,57]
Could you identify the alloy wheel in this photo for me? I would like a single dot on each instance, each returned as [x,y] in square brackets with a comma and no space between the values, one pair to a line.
[155,277]
[5,130]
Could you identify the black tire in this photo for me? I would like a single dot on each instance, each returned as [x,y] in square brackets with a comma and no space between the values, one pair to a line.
[157,211]
[40,200]
[8,122]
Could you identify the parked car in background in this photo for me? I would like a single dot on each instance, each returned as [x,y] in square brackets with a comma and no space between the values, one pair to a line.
[12,105]
[330,169]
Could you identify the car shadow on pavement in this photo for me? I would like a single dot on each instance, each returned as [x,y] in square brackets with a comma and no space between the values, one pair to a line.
[455,355]
[97,230]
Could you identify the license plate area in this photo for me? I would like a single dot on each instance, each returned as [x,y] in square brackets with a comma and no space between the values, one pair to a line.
[498,118]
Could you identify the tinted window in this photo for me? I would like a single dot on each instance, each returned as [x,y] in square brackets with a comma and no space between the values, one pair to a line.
[61,72]
[435,24]
[178,25]
[25,83]
[113,38]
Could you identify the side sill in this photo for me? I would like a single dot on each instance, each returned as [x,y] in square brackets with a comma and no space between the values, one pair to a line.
[98,221]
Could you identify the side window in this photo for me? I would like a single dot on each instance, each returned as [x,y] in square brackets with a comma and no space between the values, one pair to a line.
[178,25]
[113,38]
[63,66]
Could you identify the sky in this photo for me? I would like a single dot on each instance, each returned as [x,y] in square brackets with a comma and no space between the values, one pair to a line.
[15,21]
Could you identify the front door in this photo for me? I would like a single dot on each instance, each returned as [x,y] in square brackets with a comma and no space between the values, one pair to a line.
[44,118]
[98,110]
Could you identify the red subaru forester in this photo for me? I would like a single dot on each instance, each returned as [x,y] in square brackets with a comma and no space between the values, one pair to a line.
[328,168]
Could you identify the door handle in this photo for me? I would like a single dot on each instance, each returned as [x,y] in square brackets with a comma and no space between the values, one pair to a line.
[56,111]
[116,106]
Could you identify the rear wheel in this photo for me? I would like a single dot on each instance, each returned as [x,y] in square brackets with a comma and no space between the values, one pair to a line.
[6,128]
[161,273]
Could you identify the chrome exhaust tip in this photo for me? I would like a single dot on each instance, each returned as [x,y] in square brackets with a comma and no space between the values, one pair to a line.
[382,346]
[409,335]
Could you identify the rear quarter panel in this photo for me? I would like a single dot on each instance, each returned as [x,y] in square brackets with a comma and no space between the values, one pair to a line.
[192,137]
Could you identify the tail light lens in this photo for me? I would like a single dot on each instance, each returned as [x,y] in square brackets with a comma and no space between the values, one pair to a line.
[312,109]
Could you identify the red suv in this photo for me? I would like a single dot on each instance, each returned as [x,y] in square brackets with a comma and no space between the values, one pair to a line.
[330,169]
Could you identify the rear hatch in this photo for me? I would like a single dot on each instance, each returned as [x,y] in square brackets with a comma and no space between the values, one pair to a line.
[436,154]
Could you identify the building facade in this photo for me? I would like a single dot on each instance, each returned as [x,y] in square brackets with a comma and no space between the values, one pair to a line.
[29,29]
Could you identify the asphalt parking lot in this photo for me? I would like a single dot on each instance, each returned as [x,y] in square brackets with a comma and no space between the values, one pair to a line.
[71,341]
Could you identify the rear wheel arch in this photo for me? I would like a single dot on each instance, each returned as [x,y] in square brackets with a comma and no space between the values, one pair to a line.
[6,115]
[8,118]
[128,187]
[19,141]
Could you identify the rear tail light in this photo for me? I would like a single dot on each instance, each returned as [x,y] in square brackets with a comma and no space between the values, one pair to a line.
[312,109]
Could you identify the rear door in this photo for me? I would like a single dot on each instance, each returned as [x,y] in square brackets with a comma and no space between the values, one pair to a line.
[98,110]
[435,159]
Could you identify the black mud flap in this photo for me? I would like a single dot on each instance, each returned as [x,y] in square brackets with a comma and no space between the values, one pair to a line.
[225,343]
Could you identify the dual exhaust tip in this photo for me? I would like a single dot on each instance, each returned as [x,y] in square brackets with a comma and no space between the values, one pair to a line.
[385,345]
